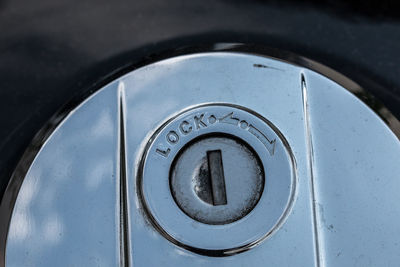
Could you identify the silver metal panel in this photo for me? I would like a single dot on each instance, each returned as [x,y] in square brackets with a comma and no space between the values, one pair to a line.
[157,92]
[357,178]
[66,213]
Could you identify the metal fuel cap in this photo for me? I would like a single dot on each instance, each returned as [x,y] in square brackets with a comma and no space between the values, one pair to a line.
[207,159]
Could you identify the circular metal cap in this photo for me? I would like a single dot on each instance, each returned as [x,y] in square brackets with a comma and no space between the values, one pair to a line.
[196,157]
[217,170]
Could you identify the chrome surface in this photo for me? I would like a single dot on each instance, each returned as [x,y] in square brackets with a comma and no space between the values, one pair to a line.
[174,154]
[357,179]
[92,194]
[66,211]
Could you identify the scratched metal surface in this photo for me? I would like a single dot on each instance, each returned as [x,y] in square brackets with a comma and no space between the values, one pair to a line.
[347,170]
[356,163]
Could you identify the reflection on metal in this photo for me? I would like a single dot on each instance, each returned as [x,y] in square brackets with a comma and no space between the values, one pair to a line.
[123,199]
[310,158]
[66,208]
[100,188]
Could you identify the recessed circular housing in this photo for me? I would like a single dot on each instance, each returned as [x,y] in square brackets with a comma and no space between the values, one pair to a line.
[244,195]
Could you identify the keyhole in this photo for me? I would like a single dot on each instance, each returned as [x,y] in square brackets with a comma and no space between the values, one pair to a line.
[217,179]
[211,184]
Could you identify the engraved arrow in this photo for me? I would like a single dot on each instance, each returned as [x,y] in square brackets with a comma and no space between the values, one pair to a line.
[229,119]
[270,145]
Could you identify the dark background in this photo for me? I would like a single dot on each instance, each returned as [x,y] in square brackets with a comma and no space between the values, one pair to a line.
[52,51]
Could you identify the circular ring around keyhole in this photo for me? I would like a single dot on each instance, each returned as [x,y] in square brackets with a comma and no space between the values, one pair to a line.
[242,153]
